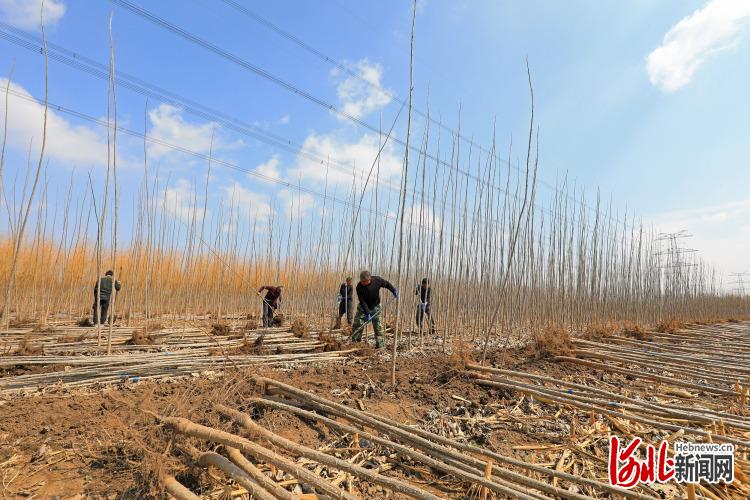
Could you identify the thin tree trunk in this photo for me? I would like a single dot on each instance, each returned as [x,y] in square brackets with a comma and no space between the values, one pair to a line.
[5,316]
[404,182]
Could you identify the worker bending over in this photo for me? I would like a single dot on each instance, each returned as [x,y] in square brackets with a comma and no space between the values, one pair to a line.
[368,309]
[271,302]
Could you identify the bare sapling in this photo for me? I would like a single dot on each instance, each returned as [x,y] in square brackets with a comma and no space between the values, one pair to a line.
[4,315]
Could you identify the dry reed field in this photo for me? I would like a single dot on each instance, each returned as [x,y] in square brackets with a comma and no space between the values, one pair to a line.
[559,322]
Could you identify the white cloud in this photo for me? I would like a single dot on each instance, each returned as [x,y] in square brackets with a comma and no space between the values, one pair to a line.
[249,204]
[726,212]
[24,14]
[423,215]
[180,199]
[73,145]
[361,96]
[168,125]
[284,120]
[270,169]
[296,203]
[693,40]
[347,155]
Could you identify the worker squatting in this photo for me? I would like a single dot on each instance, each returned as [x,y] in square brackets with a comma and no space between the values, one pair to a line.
[368,310]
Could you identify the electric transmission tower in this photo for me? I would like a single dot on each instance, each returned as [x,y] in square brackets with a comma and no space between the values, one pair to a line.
[739,282]
[675,262]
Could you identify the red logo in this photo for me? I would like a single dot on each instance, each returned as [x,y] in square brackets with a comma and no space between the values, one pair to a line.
[634,470]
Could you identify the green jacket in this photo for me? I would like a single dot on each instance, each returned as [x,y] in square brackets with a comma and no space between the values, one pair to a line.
[105,284]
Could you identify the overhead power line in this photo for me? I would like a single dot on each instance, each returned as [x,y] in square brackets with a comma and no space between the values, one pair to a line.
[101,71]
[346,69]
[234,166]
[231,165]
[87,65]
[195,39]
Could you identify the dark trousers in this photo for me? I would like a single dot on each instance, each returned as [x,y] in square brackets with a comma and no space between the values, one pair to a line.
[345,307]
[267,314]
[422,310]
[103,307]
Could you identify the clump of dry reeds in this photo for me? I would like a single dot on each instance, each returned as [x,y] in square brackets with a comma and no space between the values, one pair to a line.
[140,337]
[461,354]
[20,323]
[331,342]
[551,342]
[26,348]
[300,328]
[597,331]
[278,319]
[247,347]
[636,331]
[669,326]
[85,321]
[220,329]
[69,338]
[45,328]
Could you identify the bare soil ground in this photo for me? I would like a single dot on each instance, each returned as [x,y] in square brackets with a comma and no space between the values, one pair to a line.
[95,442]
[105,442]
[92,442]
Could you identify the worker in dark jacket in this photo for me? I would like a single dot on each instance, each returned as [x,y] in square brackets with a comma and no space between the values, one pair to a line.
[345,299]
[271,302]
[423,308]
[102,295]
[368,309]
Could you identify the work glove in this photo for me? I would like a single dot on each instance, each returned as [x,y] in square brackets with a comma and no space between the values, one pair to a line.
[395,293]
[340,298]
[368,317]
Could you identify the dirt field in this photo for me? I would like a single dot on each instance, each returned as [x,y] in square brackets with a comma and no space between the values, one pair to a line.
[107,442]
[87,442]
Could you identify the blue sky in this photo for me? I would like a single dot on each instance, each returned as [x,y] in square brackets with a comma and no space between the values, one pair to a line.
[644,99]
